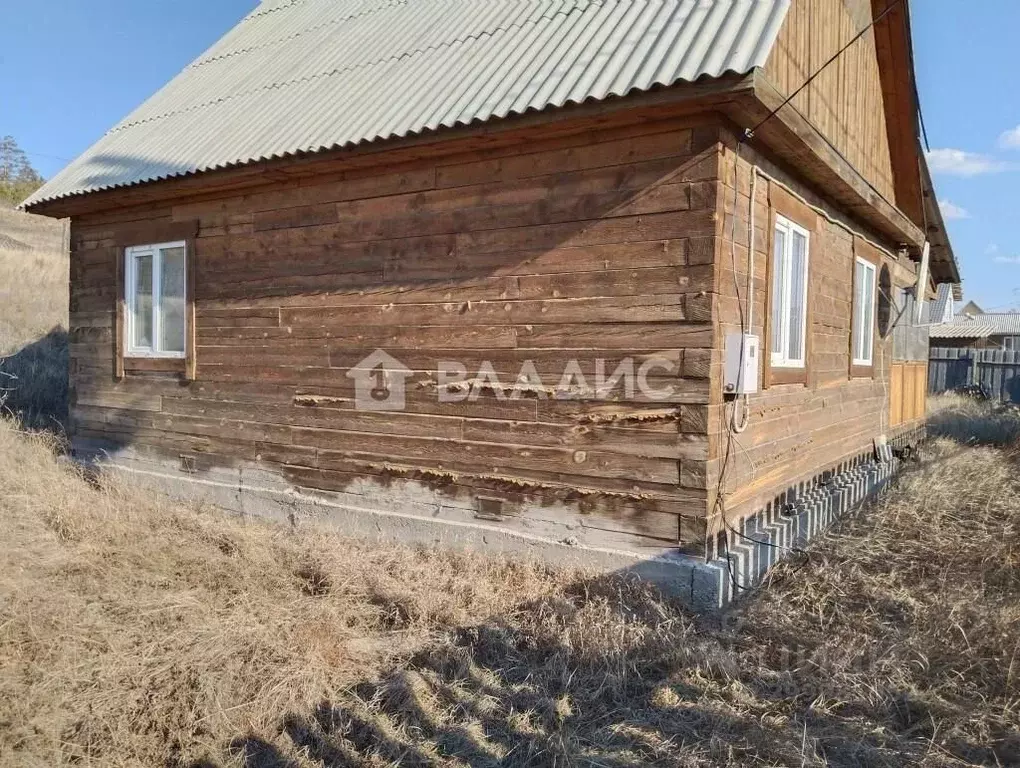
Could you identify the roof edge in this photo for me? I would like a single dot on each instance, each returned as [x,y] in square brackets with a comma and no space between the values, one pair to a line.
[705,94]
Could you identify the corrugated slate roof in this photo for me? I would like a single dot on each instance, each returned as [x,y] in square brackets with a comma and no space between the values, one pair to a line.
[979,326]
[298,76]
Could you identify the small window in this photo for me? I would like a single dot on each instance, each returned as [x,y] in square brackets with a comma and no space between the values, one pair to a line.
[864,312]
[789,294]
[155,297]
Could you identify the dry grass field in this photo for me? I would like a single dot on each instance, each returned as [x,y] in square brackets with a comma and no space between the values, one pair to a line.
[135,631]
[33,320]
[139,632]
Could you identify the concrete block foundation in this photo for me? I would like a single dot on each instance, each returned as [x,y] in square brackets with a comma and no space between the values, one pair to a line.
[408,512]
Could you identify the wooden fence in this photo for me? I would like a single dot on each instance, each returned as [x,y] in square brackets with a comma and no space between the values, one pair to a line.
[996,370]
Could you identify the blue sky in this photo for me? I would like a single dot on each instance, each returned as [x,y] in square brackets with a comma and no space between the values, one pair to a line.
[69,70]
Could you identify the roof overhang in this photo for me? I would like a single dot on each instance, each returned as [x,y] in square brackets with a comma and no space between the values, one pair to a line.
[793,139]
[708,95]
[975,330]
[320,75]
[944,268]
[915,191]
[173,153]
[746,100]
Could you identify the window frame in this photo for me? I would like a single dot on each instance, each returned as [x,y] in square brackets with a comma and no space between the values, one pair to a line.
[781,360]
[863,367]
[130,287]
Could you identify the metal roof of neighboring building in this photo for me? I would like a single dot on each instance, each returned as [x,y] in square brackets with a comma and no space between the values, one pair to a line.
[978,326]
[941,309]
[298,76]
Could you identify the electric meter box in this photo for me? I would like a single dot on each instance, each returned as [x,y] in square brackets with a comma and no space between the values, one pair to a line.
[740,373]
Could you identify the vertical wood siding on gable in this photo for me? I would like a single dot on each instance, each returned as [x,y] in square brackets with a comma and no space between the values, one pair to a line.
[845,101]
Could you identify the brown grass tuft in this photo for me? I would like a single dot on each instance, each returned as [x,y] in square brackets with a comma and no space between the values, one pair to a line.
[138,631]
[969,420]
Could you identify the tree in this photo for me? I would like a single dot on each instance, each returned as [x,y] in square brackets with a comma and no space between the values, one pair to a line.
[18,179]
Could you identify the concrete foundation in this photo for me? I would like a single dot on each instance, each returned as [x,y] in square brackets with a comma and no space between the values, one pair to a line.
[408,512]
[772,535]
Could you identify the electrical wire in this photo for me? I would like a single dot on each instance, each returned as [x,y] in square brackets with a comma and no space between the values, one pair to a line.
[826,215]
[917,95]
[817,72]
[920,118]
[719,505]
[738,424]
[43,154]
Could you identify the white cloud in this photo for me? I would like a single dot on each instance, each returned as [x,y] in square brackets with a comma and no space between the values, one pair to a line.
[953,211]
[992,249]
[1007,259]
[1010,139]
[957,162]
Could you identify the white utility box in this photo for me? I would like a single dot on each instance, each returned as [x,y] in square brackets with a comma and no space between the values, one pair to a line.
[740,373]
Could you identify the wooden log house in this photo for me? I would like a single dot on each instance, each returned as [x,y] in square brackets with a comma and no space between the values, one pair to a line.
[501,184]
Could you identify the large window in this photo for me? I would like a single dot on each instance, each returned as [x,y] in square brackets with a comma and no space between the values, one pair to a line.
[863,337]
[789,294]
[155,297]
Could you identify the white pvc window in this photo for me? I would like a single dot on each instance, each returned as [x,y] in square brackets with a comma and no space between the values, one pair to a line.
[864,312]
[789,294]
[154,292]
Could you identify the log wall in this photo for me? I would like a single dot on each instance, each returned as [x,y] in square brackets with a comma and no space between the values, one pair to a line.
[586,247]
[801,429]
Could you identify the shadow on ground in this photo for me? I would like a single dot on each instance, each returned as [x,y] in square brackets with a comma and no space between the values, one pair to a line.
[34,382]
[612,674]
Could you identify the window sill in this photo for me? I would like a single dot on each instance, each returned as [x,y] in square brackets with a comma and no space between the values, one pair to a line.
[862,371]
[154,364]
[781,375]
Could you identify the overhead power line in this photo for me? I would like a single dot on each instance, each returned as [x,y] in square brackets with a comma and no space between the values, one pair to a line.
[749,133]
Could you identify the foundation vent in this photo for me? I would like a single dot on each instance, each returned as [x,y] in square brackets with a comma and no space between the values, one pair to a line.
[489,508]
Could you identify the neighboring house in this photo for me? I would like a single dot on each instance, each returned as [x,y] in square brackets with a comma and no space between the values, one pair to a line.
[970,308]
[942,309]
[501,192]
[979,330]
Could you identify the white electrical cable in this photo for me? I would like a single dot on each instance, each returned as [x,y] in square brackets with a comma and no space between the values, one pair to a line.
[738,423]
[741,425]
[740,416]
[750,250]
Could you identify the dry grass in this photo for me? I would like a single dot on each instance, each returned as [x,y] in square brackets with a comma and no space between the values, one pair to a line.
[33,319]
[972,421]
[134,631]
